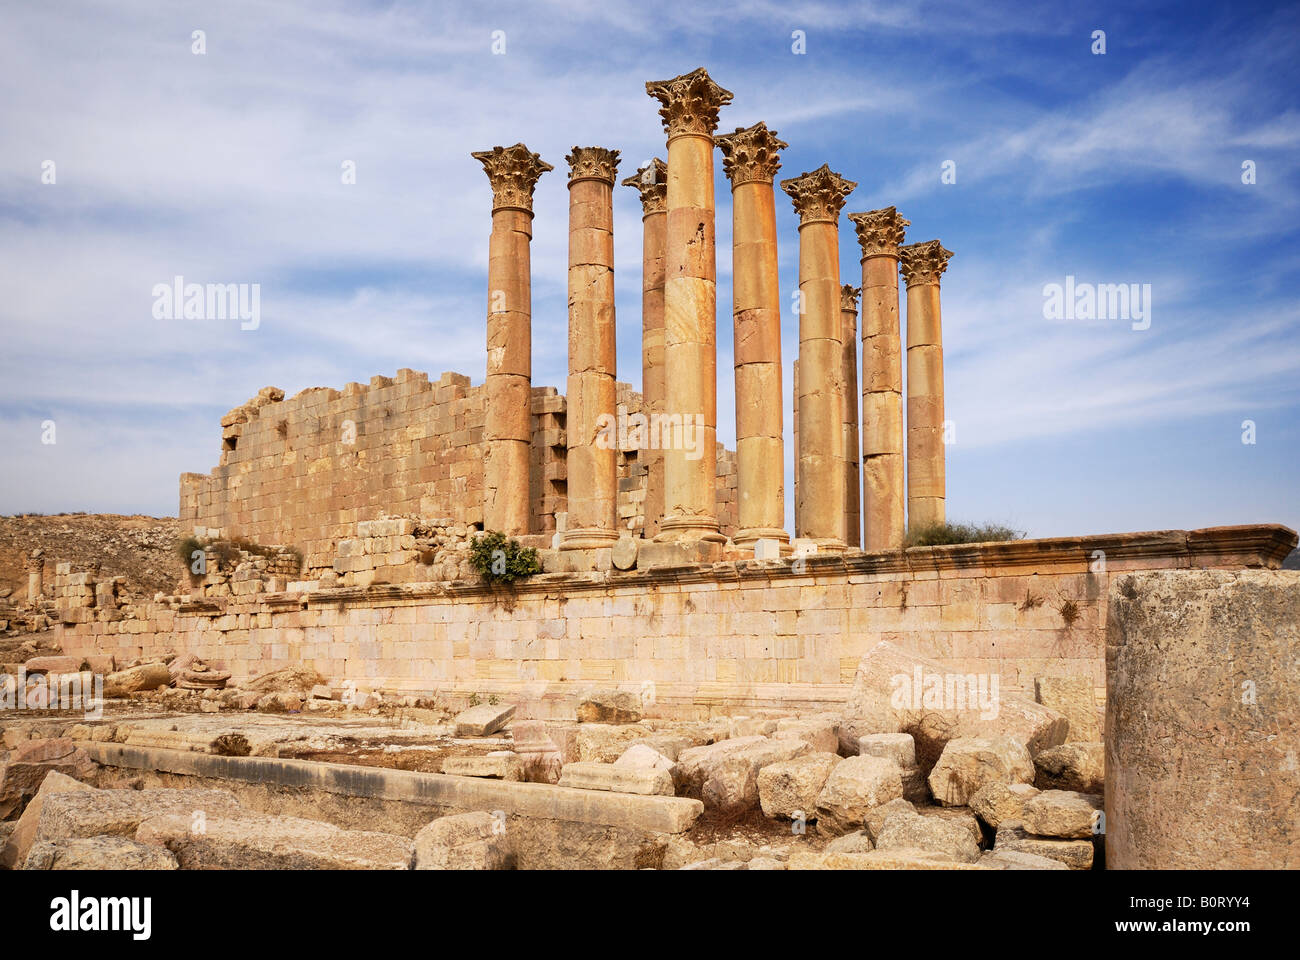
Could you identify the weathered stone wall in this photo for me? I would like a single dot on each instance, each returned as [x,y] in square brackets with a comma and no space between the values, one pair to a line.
[304,471]
[706,637]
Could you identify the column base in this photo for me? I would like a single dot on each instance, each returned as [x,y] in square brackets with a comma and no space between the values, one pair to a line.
[829,544]
[589,538]
[689,528]
[748,537]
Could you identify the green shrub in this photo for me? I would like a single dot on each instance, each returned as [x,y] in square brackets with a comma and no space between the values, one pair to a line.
[937,534]
[499,559]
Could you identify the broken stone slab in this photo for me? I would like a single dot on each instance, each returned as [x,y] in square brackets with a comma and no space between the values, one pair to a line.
[855,787]
[859,841]
[725,775]
[499,766]
[483,720]
[1075,699]
[897,859]
[464,841]
[669,745]
[1072,766]
[1075,854]
[539,755]
[877,817]
[53,665]
[146,676]
[31,761]
[1066,814]
[961,816]
[888,672]
[953,841]
[609,706]
[788,789]
[641,756]
[617,779]
[715,863]
[995,803]
[822,736]
[256,842]
[98,853]
[13,853]
[606,742]
[1004,859]
[899,747]
[119,812]
[751,727]
[970,763]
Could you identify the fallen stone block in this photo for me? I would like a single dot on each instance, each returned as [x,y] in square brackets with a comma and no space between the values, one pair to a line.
[498,766]
[950,840]
[822,736]
[1072,766]
[1075,699]
[961,816]
[255,842]
[53,665]
[877,817]
[888,670]
[725,774]
[617,779]
[609,706]
[1075,854]
[13,853]
[1015,860]
[899,747]
[859,841]
[483,720]
[788,789]
[98,853]
[856,786]
[93,813]
[644,757]
[146,676]
[1063,813]
[102,664]
[897,859]
[31,761]
[606,742]
[465,841]
[715,863]
[995,803]
[970,763]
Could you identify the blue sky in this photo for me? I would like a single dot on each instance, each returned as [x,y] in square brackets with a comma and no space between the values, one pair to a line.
[1117,168]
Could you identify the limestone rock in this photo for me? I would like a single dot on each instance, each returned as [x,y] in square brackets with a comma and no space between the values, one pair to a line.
[878,816]
[483,720]
[13,853]
[1074,698]
[146,676]
[995,803]
[119,812]
[953,841]
[1062,813]
[859,841]
[617,779]
[497,766]
[823,736]
[901,858]
[98,853]
[465,841]
[256,842]
[606,742]
[609,706]
[1075,854]
[789,789]
[53,665]
[1005,859]
[725,774]
[970,763]
[641,756]
[899,747]
[855,787]
[1072,766]
[961,816]
[870,709]
[31,761]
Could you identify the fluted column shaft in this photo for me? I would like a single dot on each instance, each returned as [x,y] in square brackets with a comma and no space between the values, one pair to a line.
[852,450]
[883,492]
[922,265]
[590,422]
[750,160]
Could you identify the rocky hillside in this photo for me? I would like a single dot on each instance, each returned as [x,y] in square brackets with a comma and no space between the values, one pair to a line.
[140,548]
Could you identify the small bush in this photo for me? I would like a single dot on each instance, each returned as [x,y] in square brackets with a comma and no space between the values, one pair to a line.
[499,559]
[938,534]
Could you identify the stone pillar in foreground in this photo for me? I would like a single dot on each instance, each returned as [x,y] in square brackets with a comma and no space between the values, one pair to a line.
[508,430]
[591,423]
[652,183]
[1203,720]
[750,160]
[852,448]
[922,265]
[883,499]
[35,574]
[690,115]
[818,197]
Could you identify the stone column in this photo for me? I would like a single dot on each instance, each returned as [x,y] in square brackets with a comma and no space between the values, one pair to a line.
[883,502]
[852,448]
[818,197]
[652,183]
[513,173]
[591,422]
[922,265]
[690,115]
[35,573]
[750,160]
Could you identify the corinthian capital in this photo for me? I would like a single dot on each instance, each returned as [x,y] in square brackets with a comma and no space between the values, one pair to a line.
[818,196]
[690,102]
[513,173]
[923,262]
[880,231]
[592,163]
[652,182]
[849,297]
[751,153]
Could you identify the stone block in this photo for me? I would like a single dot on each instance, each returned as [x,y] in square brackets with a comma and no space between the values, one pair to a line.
[498,766]
[855,787]
[483,720]
[788,789]
[617,779]
[464,841]
[1065,814]
[970,763]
